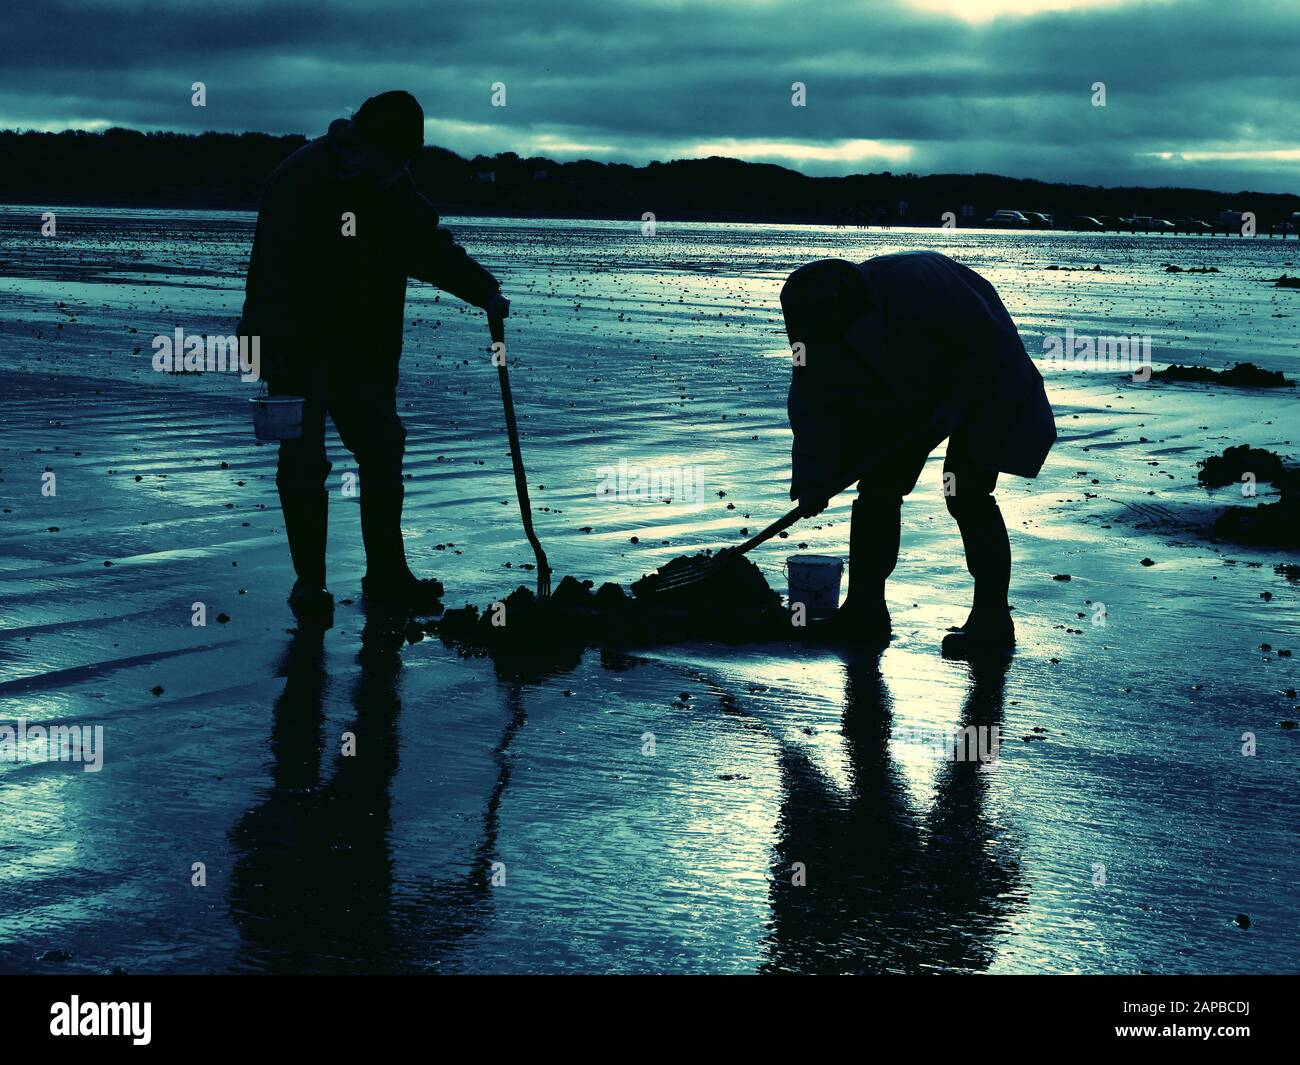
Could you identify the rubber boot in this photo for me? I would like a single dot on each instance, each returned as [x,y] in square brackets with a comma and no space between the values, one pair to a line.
[989,629]
[388,578]
[863,617]
[306,524]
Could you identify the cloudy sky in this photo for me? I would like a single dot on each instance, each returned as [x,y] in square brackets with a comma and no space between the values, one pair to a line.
[1198,92]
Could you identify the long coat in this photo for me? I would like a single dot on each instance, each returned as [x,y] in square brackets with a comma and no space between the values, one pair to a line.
[320,291]
[932,332]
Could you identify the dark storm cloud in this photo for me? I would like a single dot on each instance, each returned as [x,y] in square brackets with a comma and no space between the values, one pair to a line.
[921,91]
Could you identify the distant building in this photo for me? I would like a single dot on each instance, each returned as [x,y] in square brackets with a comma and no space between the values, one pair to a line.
[540,175]
[486,176]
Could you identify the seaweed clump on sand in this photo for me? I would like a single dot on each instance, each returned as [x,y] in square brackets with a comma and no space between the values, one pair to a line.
[735,605]
[1241,375]
[1266,524]
[1236,462]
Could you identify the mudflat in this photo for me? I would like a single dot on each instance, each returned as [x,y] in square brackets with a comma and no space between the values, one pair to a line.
[374,799]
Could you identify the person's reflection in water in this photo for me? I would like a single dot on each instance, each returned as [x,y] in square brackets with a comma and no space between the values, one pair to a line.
[890,889]
[441,916]
[312,885]
[312,882]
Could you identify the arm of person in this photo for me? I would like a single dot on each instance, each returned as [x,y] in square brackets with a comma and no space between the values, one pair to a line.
[817,452]
[280,251]
[280,289]
[437,258]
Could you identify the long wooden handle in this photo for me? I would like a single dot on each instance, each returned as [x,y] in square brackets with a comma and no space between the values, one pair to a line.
[497,328]
[926,434]
[778,526]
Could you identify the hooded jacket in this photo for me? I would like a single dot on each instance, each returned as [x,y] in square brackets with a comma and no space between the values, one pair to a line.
[932,333]
[321,293]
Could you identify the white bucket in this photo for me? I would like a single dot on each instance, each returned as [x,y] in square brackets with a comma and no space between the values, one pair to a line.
[277,417]
[814,581]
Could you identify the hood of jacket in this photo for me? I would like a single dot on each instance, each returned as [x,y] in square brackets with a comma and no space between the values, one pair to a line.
[356,158]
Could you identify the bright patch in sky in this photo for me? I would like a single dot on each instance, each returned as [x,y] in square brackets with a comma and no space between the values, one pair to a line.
[58,125]
[984,10]
[1284,155]
[847,151]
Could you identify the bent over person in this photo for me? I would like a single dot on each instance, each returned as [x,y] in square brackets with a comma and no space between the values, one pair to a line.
[340,229]
[898,353]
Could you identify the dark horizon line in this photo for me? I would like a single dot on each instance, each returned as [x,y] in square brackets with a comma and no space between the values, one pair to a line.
[305,138]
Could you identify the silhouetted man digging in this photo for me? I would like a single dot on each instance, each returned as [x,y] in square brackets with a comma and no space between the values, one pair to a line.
[901,352]
[341,228]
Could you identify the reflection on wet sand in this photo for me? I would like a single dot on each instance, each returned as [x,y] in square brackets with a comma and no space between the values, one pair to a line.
[890,888]
[312,889]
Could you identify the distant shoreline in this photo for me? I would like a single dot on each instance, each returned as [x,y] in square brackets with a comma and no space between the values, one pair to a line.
[450,211]
[225,172]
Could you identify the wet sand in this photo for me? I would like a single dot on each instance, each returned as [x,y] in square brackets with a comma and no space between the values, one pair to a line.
[1121,744]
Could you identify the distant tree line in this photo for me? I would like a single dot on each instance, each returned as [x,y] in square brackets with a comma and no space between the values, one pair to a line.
[122,167]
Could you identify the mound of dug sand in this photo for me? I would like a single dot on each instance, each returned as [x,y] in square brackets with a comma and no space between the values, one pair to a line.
[736,584]
[735,606]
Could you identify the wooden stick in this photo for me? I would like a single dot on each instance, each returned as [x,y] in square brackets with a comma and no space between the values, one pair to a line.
[497,327]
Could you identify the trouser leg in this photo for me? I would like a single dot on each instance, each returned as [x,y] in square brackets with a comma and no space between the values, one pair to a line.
[366,416]
[300,478]
[365,413]
[988,552]
[873,550]
[381,530]
[873,544]
[968,490]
